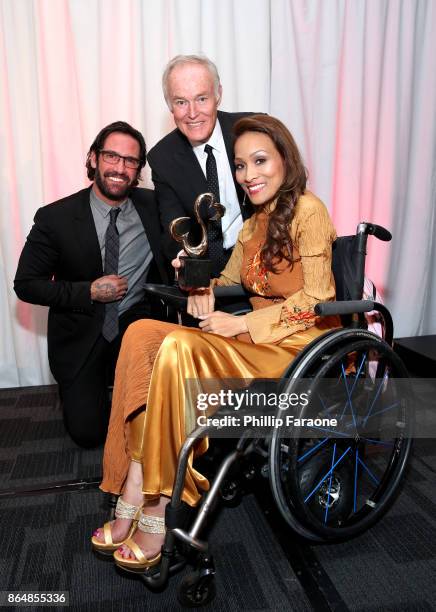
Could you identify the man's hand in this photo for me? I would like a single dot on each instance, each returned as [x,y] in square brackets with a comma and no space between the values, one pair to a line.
[223,324]
[200,302]
[109,288]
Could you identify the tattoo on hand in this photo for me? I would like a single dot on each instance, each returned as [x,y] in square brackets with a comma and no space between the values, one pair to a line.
[105,291]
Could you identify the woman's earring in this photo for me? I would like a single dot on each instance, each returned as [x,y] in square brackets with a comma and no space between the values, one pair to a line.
[243,201]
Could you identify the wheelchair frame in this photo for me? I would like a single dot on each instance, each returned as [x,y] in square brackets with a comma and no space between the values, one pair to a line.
[307,500]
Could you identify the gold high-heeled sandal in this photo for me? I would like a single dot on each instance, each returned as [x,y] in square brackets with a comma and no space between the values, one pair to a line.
[123,510]
[146,524]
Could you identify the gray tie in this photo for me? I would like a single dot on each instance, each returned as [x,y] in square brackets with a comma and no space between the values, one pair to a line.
[214,228]
[112,251]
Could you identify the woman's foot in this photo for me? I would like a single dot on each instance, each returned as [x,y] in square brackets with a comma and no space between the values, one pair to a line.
[150,534]
[120,527]
[112,534]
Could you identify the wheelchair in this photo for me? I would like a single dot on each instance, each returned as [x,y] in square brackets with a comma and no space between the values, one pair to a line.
[328,484]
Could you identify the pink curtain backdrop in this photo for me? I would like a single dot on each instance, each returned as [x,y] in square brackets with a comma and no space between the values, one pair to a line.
[353,80]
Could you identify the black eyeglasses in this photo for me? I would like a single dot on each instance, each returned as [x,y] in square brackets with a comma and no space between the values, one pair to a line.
[111,157]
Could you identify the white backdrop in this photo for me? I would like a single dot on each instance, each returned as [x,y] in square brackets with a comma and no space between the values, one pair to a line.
[354,80]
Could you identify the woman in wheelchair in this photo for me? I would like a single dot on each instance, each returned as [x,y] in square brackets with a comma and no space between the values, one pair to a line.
[283,258]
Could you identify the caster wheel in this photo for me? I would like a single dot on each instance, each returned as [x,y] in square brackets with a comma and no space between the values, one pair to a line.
[196,590]
[230,493]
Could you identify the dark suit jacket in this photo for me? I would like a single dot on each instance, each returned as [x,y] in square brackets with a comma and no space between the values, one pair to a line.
[60,260]
[178,177]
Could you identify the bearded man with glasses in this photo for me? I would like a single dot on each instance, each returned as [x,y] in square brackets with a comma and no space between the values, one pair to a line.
[88,257]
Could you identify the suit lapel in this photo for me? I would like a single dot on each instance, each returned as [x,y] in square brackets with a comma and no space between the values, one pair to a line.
[226,128]
[148,214]
[227,121]
[86,234]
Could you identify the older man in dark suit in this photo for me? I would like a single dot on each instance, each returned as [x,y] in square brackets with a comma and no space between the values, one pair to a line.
[197,156]
[87,257]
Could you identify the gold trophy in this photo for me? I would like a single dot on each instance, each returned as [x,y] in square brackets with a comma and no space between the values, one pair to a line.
[196,270]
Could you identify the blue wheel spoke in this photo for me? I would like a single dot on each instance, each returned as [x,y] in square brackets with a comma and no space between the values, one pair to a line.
[325,409]
[394,405]
[372,441]
[330,485]
[369,471]
[344,377]
[327,475]
[380,387]
[333,431]
[312,450]
[354,384]
[349,398]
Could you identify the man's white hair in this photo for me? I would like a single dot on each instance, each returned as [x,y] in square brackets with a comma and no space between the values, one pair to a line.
[181,60]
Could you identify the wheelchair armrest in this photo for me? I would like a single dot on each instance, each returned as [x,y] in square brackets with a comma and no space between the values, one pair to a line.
[172,296]
[344,307]
[178,298]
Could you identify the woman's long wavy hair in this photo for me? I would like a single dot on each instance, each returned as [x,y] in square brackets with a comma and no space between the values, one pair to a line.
[278,244]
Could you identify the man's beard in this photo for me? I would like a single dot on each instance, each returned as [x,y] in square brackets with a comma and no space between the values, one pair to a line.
[118,193]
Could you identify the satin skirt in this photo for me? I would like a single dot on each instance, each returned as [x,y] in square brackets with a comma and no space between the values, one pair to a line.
[155,361]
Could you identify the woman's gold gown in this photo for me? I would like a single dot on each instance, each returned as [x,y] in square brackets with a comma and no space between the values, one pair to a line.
[157,358]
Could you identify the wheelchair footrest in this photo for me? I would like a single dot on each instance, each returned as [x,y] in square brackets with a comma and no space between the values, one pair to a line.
[152,576]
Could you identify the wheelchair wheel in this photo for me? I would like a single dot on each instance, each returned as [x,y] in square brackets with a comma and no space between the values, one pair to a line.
[333,483]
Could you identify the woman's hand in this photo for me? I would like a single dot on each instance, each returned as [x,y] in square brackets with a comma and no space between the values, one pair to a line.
[223,324]
[177,263]
[200,302]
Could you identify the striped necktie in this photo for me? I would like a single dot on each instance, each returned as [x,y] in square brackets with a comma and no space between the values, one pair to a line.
[111,256]
[214,228]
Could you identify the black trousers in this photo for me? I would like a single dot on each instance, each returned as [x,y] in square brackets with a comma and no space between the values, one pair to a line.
[86,400]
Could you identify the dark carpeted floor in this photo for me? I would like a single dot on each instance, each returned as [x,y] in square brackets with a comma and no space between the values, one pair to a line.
[45,536]
[45,546]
